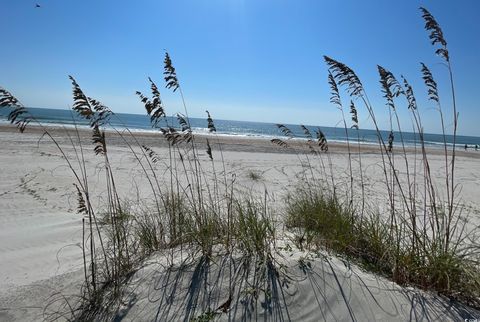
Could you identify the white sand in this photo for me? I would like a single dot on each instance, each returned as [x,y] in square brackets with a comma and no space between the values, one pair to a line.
[329,290]
[40,234]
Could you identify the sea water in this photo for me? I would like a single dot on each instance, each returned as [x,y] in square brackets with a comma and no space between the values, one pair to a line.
[141,123]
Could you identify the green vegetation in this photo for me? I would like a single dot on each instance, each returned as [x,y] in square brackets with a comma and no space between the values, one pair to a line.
[322,222]
[254,175]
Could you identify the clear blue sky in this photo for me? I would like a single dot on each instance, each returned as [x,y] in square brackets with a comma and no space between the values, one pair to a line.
[241,59]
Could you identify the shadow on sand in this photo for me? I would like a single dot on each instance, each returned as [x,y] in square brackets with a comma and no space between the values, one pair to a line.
[240,289]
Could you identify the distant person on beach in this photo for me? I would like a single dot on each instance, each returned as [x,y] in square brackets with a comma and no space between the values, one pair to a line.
[476,147]
[466,147]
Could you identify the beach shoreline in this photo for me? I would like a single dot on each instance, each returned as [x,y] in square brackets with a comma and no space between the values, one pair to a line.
[241,143]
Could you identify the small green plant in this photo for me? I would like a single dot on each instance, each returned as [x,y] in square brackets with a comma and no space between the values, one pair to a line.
[207,316]
[254,175]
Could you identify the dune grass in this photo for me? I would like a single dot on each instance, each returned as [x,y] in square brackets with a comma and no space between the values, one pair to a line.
[419,240]
[322,222]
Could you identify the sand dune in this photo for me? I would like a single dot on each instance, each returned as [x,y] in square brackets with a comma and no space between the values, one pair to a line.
[315,289]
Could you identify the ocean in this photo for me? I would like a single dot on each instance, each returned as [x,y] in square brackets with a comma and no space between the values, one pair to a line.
[141,123]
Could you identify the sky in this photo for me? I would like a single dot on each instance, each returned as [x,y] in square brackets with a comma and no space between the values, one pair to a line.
[246,60]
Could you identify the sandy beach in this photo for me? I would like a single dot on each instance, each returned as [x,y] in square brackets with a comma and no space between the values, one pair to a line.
[40,231]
